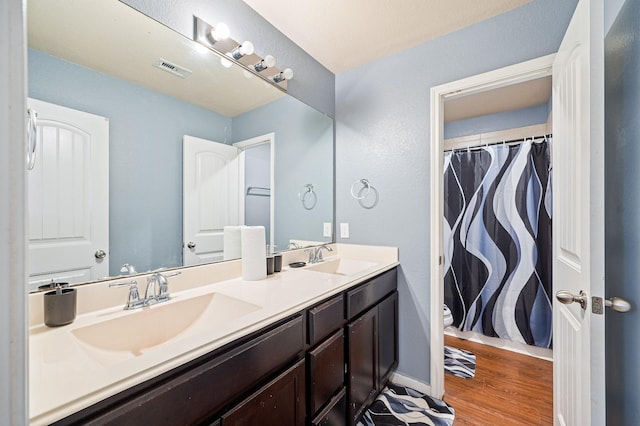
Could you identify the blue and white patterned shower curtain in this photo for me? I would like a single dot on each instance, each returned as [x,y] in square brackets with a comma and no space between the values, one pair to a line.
[497,241]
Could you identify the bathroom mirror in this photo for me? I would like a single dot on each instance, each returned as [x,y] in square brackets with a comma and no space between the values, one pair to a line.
[154,86]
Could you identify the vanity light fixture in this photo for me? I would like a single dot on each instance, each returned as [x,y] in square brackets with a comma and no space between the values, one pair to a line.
[218,33]
[242,54]
[246,48]
[268,62]
[287,74]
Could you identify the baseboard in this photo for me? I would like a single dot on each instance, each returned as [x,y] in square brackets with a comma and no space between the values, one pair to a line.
[402,380]
[509,345]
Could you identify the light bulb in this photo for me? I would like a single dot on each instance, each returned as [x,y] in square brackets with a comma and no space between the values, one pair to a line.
[287,74]
[225,62]
[219,32]
[267,62]
[245,48]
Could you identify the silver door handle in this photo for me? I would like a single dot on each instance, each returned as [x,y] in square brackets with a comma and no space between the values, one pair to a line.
[566,297]
[191,245]
[100,254]
[618,304]
[32,137]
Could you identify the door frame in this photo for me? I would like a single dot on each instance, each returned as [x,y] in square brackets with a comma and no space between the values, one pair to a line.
[269,138]
[513,74]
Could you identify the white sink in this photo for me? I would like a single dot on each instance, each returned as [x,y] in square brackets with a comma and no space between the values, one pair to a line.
[132,334]
[341,266]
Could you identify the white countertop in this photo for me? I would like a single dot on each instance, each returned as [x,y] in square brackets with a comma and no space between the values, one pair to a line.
[66,375]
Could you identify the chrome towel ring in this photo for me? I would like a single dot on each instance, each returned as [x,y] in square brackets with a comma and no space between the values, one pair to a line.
[364,192]
[308,197]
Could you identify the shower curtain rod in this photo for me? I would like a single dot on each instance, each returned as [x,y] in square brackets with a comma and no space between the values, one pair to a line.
[506,142]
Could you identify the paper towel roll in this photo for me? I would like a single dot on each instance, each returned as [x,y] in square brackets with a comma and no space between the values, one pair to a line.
[254,253]
[231,243]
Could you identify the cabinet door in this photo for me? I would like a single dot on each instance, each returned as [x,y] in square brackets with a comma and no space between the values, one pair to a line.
[280,402]
[387,338]
[363,363]
[326,371]
[335,414]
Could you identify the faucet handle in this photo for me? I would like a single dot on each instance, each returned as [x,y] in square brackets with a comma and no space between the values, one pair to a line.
[312,255]
[163,284]
[133,300]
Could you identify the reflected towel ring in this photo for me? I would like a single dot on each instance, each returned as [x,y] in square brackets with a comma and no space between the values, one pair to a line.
[366,188]
[308,197]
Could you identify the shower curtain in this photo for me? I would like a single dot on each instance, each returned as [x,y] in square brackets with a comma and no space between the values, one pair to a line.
[497,241]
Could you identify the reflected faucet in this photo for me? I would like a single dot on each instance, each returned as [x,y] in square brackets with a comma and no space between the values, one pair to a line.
[315,253]
[127,269]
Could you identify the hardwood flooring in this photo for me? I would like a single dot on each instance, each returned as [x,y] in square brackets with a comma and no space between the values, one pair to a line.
[508,388]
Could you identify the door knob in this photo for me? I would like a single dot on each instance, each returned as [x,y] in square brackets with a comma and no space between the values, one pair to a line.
[618,304]
[566,297]
[100,254]
[191,245]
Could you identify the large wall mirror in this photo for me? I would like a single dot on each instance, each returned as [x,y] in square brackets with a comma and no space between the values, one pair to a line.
[125,105]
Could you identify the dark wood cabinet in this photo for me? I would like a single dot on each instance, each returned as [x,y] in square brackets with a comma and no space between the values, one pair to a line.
[372,341]
[279,402]
[387,339]
[335,413]
[362,367]
[326,371]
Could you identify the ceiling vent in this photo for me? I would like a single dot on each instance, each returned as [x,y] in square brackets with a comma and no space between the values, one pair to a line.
[172,68]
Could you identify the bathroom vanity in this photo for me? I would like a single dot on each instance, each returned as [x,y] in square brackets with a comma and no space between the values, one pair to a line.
[315,346]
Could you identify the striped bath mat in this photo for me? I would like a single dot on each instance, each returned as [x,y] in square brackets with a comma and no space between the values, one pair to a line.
[401,406]
[459,362]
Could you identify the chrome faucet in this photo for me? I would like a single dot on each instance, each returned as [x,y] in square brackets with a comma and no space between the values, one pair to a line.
[127,269]
[157,288]
[315,253]
[133,299]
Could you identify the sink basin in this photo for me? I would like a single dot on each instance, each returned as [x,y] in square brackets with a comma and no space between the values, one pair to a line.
[141,330]
[341,266]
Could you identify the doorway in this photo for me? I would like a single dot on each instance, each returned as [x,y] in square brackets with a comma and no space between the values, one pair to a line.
[458,95]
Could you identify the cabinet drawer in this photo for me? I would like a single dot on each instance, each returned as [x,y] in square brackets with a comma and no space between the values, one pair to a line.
[326,371]
[198,394]
[324,319]
[279,402]
[365,296]
[336,412]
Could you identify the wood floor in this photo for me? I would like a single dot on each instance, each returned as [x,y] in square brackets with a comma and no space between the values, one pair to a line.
[508,388]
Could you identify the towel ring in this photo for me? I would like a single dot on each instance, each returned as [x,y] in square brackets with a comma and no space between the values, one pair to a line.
[366,188]
[308,197]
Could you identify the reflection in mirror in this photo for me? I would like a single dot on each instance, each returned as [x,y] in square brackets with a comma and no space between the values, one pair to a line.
[98,60]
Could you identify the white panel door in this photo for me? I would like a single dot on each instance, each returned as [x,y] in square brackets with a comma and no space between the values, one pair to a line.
[68,196]
[578,218]
[211,198]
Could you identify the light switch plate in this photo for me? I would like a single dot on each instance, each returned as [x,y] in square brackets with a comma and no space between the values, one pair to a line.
[326,232]
[344,230]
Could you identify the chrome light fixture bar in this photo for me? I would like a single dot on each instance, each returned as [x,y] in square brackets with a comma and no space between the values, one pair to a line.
[217,38]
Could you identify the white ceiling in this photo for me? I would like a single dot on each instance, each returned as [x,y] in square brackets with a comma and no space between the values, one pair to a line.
[344,34]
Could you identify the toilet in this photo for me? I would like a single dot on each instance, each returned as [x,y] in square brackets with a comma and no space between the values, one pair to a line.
[448,318]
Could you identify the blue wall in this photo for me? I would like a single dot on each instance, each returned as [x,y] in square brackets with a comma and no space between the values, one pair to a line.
[312,83]
[622,213]
[500,121]
[304,150]
[258,174]
[382,128]
[145,154]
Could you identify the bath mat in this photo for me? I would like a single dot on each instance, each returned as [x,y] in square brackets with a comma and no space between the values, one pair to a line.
[401,406]
[459,362]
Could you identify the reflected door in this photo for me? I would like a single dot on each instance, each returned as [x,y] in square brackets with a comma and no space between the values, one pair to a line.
[211,198]
[68,196]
